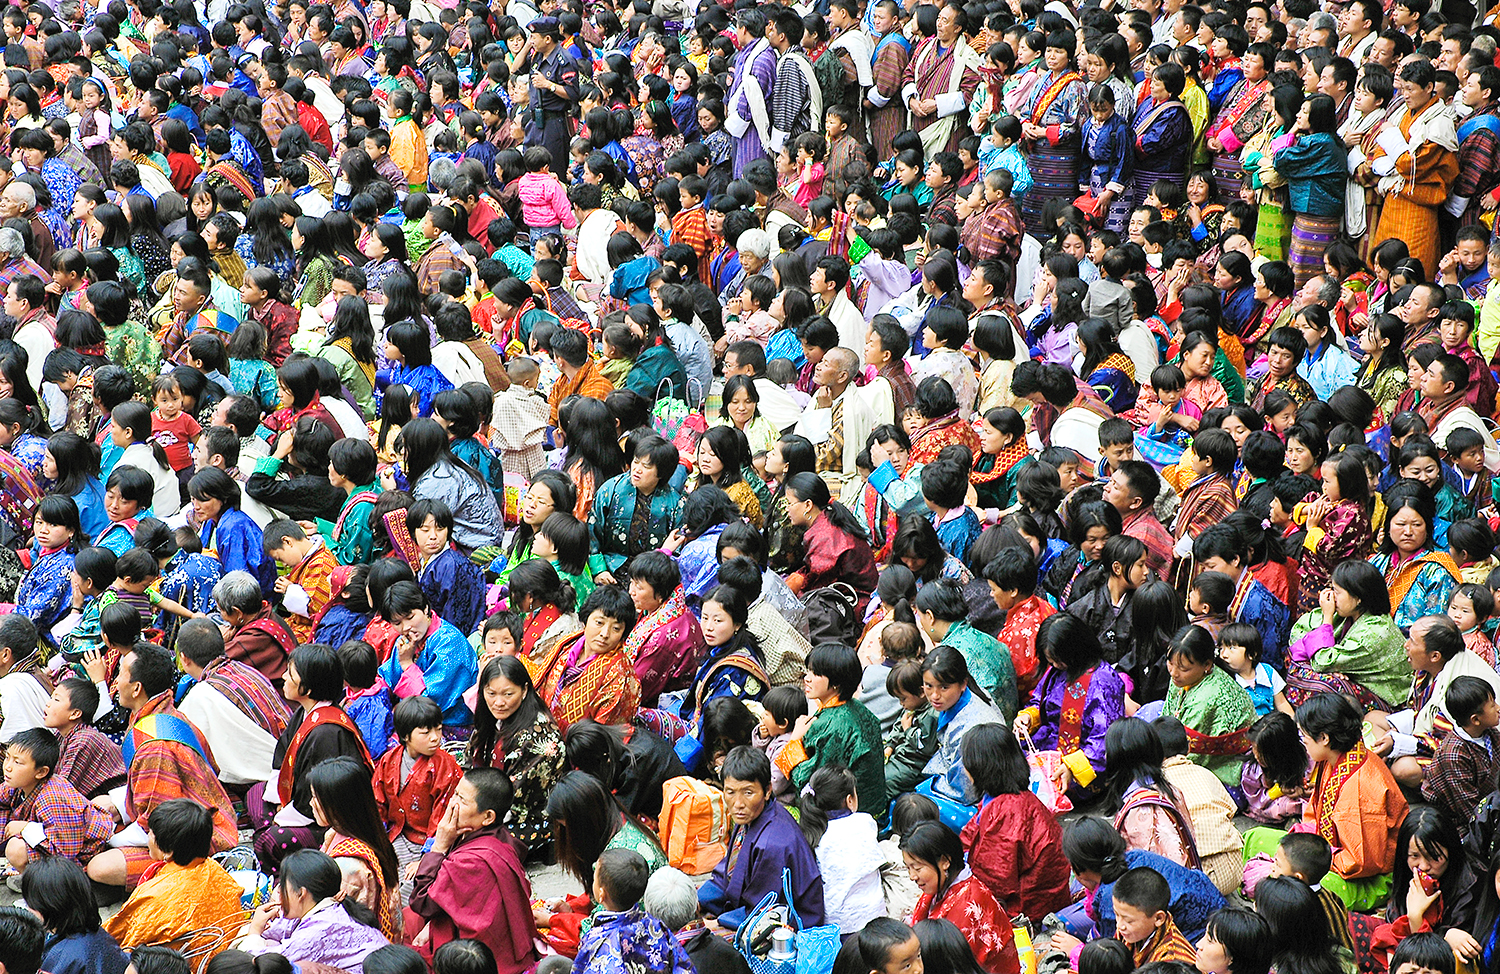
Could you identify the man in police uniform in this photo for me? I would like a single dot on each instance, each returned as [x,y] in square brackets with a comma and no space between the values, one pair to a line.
[554,92]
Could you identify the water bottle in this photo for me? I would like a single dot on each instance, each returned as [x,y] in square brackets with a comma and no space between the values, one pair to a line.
[1021,931]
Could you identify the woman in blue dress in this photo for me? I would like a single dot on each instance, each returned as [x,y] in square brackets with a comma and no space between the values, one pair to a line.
[188,576]
[408,346]
[45,593]
[1105,366]
[453,584]
[227,531]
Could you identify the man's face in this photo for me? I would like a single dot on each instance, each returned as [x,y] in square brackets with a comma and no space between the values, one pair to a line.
[1414,310]
[1328,85]
[343,289]
[1471,254]
[1383,53]
[732,366]
[1433,384]
[1117,493]
[883,20]
[827,373]
[1416,96]
[947,25]
[14,306]
[466,801]
[746,800]
[185,296]
[125,687]
[1450,56]
[10,206]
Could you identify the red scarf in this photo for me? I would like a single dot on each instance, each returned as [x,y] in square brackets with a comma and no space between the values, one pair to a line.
[325,714]
[1070,719]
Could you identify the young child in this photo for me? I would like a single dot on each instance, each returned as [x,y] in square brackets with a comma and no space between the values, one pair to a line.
[94,574]
[544,199]
[43,814]
[307,586]
[624,936]
[1002,151]
[1463,769]
[87,758]
[1455,328]
[945,487]
[810,149]
[414,782]
[1465,449]
[913,741]
[781,706]
[1108,147]
[1472,545]
[1141,898]
[1307,856]
[1168,427]
[367,699]
[1470,607]
[563,541]
[173,428]
[1209,597]
[1240,649]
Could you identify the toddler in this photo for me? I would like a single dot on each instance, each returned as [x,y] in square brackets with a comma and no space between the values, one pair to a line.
[367,699]
[1240,649]
[781,707]
[810,149]
[912,742]
[1470,607]
[173,428]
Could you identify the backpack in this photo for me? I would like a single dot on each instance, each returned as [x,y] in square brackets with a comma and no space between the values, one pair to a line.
[832,84]
[694,826]
[833,615]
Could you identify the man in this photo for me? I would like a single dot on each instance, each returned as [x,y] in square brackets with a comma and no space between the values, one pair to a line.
[18,201]
[943,173]
[1359,28]
[554,92]
[261,292]
[595,226]
[253,633]
[134,144]
[839,418]
[940,82]
[1422,312]
[776,404]
[1435,649]
[886,345]
[444,253]
[1415,180]
[25,687]
[883,103]
[1132,491]
[234,706]
[775,208]
[1474,192]
[191,296]
[1337,82]
[672,897]
[1444,387]
[797,104]
[580,374]
[219,447]
[749,118]
[167,758]
[1220,549]
[26,302]
[764,845]
[471,885]
[830,278]
[855,51]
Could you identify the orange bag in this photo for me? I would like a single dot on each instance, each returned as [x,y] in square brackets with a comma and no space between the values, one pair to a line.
[694,826]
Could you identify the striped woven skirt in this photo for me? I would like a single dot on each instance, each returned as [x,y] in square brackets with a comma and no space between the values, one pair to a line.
[1144,179]
[1118,216]
[1272,231]
[1311,236]
[1228,174]
[1054,175]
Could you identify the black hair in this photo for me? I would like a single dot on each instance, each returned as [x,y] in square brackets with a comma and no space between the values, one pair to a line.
[1332,715]
[839,664]
[747,764]
[1145,889]
[60,892]
[183,829]
[994,762]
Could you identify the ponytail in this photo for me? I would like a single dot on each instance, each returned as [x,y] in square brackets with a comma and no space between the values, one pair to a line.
[829,788]
[811,487]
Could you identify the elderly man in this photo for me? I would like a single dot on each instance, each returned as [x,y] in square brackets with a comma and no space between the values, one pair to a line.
[941,80]
[238,710]
[672,898]
[18,201]
[1436,650]
[839,418]
[26,302]
[253,634]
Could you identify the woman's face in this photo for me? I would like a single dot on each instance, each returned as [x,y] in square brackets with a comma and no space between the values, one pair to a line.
[1426,470]
[1093,542]
[681,81]
[706,120]
[297,239]
[1236,429]
[1198,363]
[709,464]
[1197,190]
[1095,68]
[372,248]
[1158,91]
[538,505]
[1428,859]
[908,175]
[718,627]
[741,408]
[927,876]
[207,509]
[775,462]
[942,696]
[49,466]
[1262,293]
[1075,246]
[1345,604]
[1223,280]
[503,697]
[992,440]
[1408,531]
[1299,459]
[1212,957]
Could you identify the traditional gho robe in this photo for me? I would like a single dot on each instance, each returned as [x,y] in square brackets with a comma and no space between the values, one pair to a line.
[1416,160]
[1478,164]
[759,854]
[1255,605]
[887,114]
[856,50]
[1357,806]
[949,75]
[90,761]
[175,900]
[749,107]
[1217,713]
[797,100]
[235,706]
[478,891]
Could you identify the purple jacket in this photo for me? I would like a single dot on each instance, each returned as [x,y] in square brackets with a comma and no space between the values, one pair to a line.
[771,844]
[328,935]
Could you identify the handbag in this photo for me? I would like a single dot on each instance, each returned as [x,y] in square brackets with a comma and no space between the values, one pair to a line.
[677,423]
[1044,765]
[1089,204]
[816,947]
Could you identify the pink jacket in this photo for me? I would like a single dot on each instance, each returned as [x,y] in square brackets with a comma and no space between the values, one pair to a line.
[544,201]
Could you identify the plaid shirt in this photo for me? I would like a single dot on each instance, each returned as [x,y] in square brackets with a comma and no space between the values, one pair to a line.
[22,265]
[996,232]
[1144,526]
[73,827]
[691,227]
[90,761]
[1461,773]
[440,257]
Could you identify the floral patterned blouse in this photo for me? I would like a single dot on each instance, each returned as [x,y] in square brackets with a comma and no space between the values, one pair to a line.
[533,763]
[129,345]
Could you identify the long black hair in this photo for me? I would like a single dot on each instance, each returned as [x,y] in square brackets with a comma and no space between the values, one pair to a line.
[492,738]
[811,487]
[77,462]
[320,877]
[342,787]
[351,320]
[827,790]
[593,442]
[425,444]
[585,817]
[1133,755]
[932,842]
[1304,943]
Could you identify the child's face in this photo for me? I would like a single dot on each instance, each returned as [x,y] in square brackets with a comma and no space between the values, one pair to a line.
[168,403]
[1461,611]
[542,547]
[1134,925]
[769,728]
[1169,397]
[1488,718]
[1471,460]
[430,537]
[910,701]
[1283,420]
[1427,858]
[424,741]
[59,712]
[911,420]
[500,642]
[21,771]
[1237,658]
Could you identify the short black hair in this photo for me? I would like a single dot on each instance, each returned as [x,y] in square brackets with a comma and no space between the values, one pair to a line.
[183,828]
[612,600]
[623,875]
[493,791]
[153,668]
[746,763]
[1013,567]
[360,664]
[1309,854]
[839,664]
[1466,698]
[1331,714]
[41,744]
[22,938]
[318,671]
[414,714]
[1217,447]
[1145,889]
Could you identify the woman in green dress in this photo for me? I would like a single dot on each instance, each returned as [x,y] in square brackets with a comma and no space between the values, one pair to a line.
[316,261]
[350,348]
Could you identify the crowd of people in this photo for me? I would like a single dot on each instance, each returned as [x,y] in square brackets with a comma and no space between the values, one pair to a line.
[744,455]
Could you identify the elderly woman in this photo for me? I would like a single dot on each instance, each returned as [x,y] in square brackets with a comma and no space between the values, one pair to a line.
[586,674]
[617,534]
[253,633]
[666,643]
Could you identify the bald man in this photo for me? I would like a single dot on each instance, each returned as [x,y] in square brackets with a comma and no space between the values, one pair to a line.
[839,418]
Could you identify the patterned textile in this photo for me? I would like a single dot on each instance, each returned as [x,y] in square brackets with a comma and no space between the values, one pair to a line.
[533,758]
[44,593]
[454,587]
[994,232]
[1419,586]
[384,902]
[90,761]
[969,905]
[1166,944]
[930,440]
[249,691]
[1217,713]
[1415,192]
[1311,237]
[162,769]
[1345,533]
[1364,654]
[731,670]
[631,941]
[413,807]
[1144,526]
[1208,501]
[602,687]
[1292,384]
[1163,142]
[74,828]
[1114,380]
[1460,773]
[613,509]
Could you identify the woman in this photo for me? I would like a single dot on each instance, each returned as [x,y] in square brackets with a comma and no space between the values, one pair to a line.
[547,602]
[385,246]
[586,674]
[1349,644]
[1149,812]
[723,458]
[594,452]
[1213,708]
[1383,373]
[942,424]
[39,154]
[1420,577]
[1163,132]
[1049,120]
[319,730]
[734,666]
[313,922]
[934,858]
[408,347]
[789,456]
[226,531]
[1234,280]
[1429,848]
[1239,118]
[1105,366]
[343,802]
[514,732]
[1077,699]
[146,240]
[705,514]
[618,534]
[1204,390]
[629,761]
[297,384]
[666,644]
[1079,568]
[316,262]
[587,821]
[961,705]
[1301,935]
[350,348]
[550,491]
[434,473]
[57,890]
[834,545]
[945,331]
[916,546]
[1315,167]
[657,368]
[741,409]
[306,494]
[71,464]
[109,225]
[656,139]
[266,242]
[1272,229]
